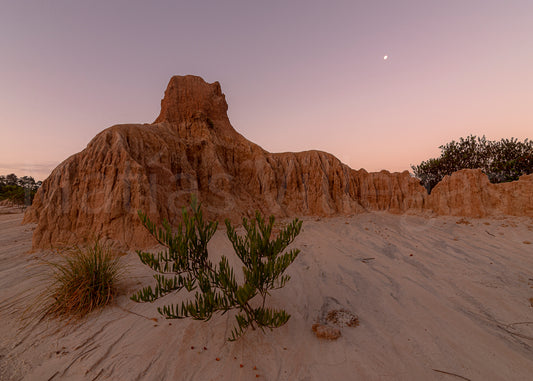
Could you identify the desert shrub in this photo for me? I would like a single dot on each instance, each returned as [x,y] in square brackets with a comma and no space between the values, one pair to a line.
[18,190]
[501,161]
[86,279]
[510,159]
[185,264]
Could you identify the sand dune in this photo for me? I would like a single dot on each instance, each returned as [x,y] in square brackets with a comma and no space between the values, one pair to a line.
[436,299]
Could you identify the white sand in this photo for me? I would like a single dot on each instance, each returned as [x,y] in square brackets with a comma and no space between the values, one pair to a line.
[460,304]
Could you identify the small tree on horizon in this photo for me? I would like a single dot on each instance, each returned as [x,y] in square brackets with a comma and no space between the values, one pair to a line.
[185,264]
[18,190]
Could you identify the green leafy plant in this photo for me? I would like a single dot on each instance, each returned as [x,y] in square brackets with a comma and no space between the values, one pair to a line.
[83,281]
[18,190]
[185,264]
[501,161]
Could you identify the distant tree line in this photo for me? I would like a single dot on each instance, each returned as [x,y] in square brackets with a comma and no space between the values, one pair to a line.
[502,161]
[18,190]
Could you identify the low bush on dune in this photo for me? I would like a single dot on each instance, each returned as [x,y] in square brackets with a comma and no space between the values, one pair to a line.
[84,280]
[502,161]
[185,265]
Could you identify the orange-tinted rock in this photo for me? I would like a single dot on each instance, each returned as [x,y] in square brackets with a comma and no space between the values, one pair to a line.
[469,193]
[393,192]
[192,148]
[326,331]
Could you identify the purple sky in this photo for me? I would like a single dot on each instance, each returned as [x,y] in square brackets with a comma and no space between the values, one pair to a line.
[297,75]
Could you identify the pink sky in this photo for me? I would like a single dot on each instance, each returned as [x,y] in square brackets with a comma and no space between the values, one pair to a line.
[297,75]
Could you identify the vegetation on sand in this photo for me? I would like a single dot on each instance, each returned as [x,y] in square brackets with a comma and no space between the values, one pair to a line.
[502,161]
[185,265]
[84,281]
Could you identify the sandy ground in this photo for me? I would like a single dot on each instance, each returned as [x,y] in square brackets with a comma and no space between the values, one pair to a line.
[436,300]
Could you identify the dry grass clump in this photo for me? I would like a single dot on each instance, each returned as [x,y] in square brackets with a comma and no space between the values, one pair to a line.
[86,279]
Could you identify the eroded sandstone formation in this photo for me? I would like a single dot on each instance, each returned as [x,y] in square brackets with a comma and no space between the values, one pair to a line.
[192,148]
[469,193]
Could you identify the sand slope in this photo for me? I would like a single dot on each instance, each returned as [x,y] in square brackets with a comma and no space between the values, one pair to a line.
[460,304]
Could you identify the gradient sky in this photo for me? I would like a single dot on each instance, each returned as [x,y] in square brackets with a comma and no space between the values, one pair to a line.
[297,75]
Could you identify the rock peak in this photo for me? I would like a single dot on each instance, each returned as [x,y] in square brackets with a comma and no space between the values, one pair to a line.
[189,96]
[195,150]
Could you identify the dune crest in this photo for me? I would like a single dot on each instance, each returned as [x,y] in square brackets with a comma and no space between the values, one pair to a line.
[192,148]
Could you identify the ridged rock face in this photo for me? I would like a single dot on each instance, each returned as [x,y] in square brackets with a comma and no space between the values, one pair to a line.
[392,192]
[188,97]
[469,193]
[192,148]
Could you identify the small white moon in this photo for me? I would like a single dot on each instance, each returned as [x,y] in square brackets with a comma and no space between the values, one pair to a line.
[385,58]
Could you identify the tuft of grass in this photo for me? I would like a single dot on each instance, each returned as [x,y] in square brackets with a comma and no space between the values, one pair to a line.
[85,280]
